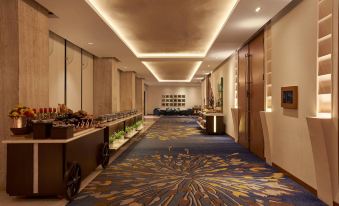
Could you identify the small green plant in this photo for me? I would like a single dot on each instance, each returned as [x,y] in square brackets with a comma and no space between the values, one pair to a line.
[111,139]
[138,124]
[119,135]
[129,129]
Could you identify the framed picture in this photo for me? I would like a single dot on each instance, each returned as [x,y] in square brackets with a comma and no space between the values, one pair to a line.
[183,96]
[171,104]
[175,104]
[163,104]
[175,96]
[167,104]
[289,97]
[183,104]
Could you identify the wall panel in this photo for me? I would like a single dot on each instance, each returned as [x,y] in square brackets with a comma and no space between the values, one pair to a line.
[56,70]
[87,82]
[73,76]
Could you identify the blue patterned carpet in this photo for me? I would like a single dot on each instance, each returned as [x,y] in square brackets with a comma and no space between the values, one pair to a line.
[174,164]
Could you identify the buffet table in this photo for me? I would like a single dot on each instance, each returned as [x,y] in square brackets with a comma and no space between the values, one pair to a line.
[211,123]
[57,166]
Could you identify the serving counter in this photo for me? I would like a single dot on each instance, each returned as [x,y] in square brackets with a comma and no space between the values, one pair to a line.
[57,166]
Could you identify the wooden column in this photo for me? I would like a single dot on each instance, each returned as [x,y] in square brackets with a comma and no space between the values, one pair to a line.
[139,94]
[116,89]
[23,62]
[102,83]
[127,90]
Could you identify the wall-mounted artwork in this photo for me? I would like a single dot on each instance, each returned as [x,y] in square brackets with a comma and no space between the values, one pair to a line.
[289,97]
[173,100]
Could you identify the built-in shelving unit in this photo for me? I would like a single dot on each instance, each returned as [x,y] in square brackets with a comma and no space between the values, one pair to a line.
[324,57]
[268,68]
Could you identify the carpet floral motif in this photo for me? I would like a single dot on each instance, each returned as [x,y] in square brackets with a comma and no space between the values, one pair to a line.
[191,180]
[176,128]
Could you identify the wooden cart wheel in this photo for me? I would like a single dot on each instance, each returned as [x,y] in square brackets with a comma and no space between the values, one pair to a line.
[105,155]
[72,181]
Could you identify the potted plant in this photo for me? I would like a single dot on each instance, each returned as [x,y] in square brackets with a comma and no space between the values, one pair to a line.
[119,136]
[21,116]
[129,131]
[139,125]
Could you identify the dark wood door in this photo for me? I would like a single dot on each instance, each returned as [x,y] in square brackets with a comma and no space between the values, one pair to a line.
[256,98]
[242,96]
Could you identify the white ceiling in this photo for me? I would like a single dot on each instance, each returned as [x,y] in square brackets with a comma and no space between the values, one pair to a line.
[138,31]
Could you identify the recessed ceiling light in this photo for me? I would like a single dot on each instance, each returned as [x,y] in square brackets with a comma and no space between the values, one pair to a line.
[90,43]
[199,78]
[258,9]
[208,65]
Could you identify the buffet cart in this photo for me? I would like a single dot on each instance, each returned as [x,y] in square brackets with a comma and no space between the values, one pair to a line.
[46,167]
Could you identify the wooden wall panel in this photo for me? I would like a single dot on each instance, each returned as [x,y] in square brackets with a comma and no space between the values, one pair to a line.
[257,94]
[24,40]
[87,82]
[242,96]
[33,54]
[102,85]
[9,70]
[73,77]
[139,94]
[115,89]
[127,91]
[56,70]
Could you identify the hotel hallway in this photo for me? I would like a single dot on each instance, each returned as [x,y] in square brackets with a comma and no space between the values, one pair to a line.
[175,164]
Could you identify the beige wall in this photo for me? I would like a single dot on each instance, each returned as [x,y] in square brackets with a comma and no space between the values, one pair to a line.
[79,75]
[294,56]
[227,71]
[23,64]
[87,82]
[73,77]
[56,70]
[154,95]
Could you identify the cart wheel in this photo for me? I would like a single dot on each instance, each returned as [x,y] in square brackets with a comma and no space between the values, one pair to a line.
[105,154]
[72,181]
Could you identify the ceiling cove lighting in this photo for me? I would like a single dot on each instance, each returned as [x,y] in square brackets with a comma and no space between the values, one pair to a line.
[123,35]
[189,79]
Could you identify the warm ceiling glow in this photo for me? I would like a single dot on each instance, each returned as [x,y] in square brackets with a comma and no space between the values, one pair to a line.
[257,9]
[90,43]
[156,75]
[106,12]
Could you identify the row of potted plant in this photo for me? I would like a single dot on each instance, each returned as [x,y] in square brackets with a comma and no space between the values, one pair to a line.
[128,133]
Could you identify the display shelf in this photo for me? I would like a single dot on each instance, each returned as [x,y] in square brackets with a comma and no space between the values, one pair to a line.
[268,68]
[324,60]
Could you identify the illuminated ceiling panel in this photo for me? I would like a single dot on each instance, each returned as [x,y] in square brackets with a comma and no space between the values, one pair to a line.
[173,71]
[166,28]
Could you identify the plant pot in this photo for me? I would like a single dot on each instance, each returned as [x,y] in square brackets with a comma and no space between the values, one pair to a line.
[19,122]
[62,132]
[140,128]
[21,131]
[42,130]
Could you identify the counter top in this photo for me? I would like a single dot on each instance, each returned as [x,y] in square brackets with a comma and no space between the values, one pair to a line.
[214,114]
[28,139]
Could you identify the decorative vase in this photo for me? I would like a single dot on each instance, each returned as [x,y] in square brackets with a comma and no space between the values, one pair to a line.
[19,122]
[20,126]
